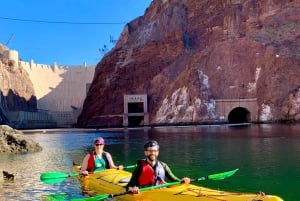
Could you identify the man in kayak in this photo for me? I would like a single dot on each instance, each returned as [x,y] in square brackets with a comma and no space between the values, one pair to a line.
[150,171]
[98,159]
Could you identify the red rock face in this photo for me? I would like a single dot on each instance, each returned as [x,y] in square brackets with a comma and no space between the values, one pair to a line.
[184,54]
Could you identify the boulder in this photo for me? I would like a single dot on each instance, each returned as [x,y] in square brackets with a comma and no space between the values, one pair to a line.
[14,141]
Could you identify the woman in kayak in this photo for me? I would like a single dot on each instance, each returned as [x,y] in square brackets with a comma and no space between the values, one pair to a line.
[98,159]
[150,171]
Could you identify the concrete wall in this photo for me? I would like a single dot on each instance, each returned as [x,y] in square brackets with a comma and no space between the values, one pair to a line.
[12,55]
[60,90]
[225,106]
[22,119]
[136,98]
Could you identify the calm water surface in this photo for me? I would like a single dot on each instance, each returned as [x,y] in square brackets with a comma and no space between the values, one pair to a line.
[268,157]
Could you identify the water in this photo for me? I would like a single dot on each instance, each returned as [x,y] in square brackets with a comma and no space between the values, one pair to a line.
[268,157]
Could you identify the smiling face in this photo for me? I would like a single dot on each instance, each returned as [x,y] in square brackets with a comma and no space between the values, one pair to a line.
[98,147]
[151,153]
[99,144]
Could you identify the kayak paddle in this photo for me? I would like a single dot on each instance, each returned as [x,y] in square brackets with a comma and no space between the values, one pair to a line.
[218,176]
[57,177]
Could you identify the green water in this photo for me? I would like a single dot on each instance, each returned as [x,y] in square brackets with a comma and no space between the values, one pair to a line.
[268,158]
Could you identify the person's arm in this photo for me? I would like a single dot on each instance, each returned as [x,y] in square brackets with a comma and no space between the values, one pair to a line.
[111,162]
[83,169]
[172,177]
[169,173]
[133,184]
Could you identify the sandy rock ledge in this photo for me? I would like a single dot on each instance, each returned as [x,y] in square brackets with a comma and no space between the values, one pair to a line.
[14,141]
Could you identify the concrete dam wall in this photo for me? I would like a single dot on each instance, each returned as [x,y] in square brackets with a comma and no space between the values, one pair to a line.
[60,92]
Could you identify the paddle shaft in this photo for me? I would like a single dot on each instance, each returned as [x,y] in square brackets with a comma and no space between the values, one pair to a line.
[56,177]
[129,166]
[105,196]
[218,176]
[149,188]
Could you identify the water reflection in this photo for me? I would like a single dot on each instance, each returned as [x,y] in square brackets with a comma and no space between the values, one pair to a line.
[267,155]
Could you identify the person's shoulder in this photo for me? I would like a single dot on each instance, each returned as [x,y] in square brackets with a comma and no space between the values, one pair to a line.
[107,154]
[87,156]
[163,163]
[140,161]
[90,153]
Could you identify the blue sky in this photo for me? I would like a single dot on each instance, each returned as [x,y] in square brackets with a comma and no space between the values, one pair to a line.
[59,38]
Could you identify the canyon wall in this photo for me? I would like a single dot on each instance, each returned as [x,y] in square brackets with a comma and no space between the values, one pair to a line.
[16,89]
[185,54]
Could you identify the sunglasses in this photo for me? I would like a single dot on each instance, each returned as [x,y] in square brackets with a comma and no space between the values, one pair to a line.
[98,144]
[151,150]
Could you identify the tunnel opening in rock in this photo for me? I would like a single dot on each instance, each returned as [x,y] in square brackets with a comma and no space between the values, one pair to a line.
[135,119]
[136,107]
[239,115]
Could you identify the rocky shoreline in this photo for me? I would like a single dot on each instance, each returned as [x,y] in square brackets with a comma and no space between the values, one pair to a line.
[14,141]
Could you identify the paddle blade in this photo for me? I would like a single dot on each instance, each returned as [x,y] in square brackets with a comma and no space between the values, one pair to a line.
[94,198]
[222,175]
[54,177]
[56,197]
[53,181]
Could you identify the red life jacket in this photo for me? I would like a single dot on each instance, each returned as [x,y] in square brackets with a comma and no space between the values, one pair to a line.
[91,161]
[149,177]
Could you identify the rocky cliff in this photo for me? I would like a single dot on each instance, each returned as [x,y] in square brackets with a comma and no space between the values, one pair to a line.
[16,89]
[185,54]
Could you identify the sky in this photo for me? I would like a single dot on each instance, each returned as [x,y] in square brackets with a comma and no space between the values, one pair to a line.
[65,32]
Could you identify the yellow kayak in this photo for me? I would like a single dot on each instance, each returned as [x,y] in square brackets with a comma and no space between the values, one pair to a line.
[113,182]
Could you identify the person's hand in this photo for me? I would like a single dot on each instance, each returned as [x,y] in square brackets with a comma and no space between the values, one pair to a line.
[134,190]
[186,180]
[84,173]
[120,167]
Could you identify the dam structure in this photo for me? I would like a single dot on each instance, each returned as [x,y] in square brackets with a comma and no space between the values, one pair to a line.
[60,92]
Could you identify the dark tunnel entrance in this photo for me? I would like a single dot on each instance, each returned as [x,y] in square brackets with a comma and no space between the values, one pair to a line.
[239,115]
[136,119]
[135,107]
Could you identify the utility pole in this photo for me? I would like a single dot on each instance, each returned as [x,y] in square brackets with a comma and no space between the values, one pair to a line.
[9,40]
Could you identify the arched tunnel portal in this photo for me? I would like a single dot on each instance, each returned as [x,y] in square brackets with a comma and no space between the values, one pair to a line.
[239,115]
[237,110]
